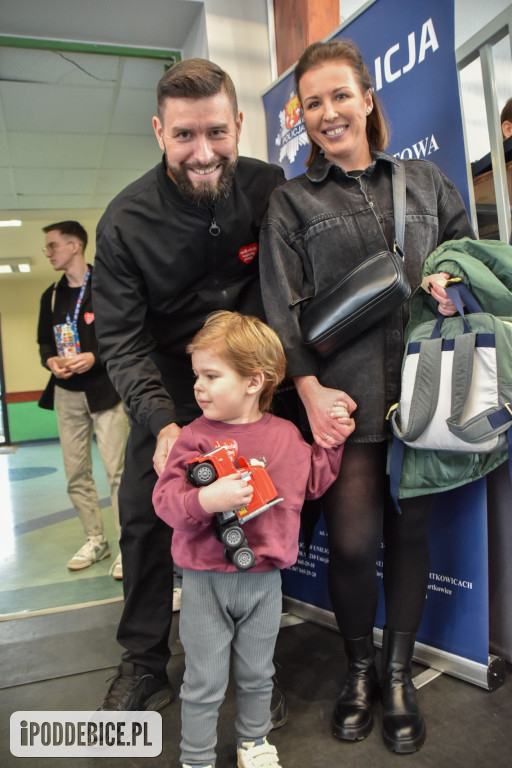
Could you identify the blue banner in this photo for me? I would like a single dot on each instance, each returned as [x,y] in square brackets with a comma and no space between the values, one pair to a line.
[409,49]
[456,615]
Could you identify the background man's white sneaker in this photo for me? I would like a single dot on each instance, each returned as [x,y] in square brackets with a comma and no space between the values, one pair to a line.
[95,549]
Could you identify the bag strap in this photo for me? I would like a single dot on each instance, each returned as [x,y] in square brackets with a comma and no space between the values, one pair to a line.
[399,188]
[462,291]
[463,299]
[396,461]
[478,427]
[425,393]
[462,376]
[399,193]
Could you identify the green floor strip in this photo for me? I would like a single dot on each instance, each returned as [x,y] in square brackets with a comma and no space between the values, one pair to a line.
[48,596]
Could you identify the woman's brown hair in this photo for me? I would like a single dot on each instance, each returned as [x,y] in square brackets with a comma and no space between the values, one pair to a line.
[345,52]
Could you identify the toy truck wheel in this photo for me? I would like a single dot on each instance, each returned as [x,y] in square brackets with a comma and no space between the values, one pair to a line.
[243,558]
[232,537]
[203,473]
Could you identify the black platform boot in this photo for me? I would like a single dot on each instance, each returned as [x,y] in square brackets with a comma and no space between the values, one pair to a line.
[352,718]
[403,727]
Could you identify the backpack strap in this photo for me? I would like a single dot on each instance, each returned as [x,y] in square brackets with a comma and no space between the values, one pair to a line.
[462,377]
[425,393]
[428,373]
[423,406]
[478,428]
[395,470]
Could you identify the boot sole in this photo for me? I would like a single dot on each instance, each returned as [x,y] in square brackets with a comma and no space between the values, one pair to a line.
[88,565]
[282,720]
[352,734]
[405,747]
[159,701]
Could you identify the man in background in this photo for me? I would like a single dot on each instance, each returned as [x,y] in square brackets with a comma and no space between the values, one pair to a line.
[80,389]
[506,119]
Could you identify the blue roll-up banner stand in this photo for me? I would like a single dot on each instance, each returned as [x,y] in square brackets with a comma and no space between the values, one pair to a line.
[409,49]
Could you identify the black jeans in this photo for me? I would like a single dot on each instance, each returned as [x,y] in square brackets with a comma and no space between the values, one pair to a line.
[147,562]
[146,545]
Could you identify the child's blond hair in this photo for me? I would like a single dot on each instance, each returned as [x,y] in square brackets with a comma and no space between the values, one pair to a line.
[248,345]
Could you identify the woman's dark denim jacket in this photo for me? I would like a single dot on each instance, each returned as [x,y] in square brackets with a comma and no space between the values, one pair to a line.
[320,226]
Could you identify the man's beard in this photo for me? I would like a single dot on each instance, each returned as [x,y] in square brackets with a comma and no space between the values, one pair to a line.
[203,193]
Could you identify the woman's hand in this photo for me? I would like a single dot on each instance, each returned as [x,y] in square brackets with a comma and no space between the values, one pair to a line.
[446,306]
[329,411]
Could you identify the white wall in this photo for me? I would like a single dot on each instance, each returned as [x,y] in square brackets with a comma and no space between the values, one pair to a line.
[238,42]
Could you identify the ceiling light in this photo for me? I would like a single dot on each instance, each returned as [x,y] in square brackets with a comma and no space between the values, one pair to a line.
[10,223]
[8,266]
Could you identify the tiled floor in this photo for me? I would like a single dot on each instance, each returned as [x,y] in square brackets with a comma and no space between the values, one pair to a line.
[58,648]
[40,532]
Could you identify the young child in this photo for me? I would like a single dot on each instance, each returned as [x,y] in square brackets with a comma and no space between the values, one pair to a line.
[238,361]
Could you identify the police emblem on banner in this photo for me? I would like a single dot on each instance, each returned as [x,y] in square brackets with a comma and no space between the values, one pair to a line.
[292,133]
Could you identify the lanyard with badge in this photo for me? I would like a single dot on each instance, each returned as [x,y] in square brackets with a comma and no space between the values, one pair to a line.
[66,334]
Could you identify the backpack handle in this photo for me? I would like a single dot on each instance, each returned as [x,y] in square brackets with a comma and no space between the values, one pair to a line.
[464,300]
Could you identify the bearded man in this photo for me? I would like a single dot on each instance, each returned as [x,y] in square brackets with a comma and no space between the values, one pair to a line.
[174,246]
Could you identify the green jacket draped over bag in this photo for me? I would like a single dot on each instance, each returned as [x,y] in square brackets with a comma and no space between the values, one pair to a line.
[485,266]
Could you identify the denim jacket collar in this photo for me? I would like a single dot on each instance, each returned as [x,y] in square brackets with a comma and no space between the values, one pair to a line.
[321,167]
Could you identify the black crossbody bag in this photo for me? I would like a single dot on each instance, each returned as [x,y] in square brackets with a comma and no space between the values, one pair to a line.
[371,291]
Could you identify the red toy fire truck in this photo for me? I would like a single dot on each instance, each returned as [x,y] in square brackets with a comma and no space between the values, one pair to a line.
[219,462]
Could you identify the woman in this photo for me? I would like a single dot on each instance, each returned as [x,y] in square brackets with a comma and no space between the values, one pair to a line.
[320,226]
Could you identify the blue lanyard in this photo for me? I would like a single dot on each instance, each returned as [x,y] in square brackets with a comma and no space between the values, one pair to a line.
[79,300]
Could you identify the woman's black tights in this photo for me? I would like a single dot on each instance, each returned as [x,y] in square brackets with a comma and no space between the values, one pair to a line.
[359,514]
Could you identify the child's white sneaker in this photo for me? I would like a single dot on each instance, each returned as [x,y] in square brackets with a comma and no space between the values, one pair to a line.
[258,754]
[186,765]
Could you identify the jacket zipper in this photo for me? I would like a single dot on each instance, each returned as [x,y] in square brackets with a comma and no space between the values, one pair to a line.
[214,228]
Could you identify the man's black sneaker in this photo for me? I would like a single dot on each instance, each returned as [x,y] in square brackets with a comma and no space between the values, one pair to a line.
[130,691]
[278,707]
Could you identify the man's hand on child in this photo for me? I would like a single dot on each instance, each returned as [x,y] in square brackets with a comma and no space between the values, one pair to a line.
[164,443]
[226,493]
